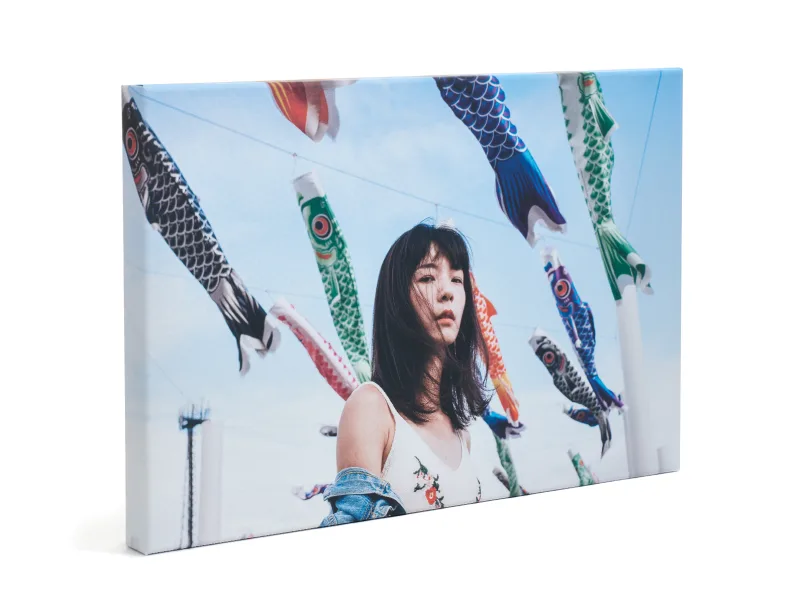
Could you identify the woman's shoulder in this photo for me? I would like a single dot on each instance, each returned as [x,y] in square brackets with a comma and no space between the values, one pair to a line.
[365,430]
[368,404]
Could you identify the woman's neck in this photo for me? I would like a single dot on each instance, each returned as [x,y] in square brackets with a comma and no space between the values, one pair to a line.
[430,396]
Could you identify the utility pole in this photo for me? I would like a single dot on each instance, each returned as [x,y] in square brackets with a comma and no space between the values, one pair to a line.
[188,422]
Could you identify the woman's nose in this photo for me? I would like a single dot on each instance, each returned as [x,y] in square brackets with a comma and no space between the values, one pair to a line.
[446,295]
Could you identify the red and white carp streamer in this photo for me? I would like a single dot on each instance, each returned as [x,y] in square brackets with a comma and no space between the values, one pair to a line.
[310,106]
[328,362]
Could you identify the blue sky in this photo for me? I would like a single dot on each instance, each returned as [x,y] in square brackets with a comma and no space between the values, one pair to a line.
[401,134]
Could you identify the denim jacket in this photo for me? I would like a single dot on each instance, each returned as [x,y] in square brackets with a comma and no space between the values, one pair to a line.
[358,495]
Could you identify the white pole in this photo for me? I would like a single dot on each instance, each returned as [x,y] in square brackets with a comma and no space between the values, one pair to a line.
[209,529]
[629,447]
[642,456]
[663,459]
[668,458]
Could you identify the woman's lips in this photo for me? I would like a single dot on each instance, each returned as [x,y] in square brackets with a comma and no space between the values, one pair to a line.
[447,315]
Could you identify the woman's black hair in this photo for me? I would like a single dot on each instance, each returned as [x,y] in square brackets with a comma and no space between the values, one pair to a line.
[402,347]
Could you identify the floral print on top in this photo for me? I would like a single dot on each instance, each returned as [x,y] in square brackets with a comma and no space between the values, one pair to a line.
[418,476]
[425,481]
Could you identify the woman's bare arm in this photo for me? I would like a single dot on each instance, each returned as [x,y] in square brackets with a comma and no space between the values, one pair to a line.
[364,431]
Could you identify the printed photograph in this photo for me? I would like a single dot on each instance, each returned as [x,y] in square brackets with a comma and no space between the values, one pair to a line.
[349,300]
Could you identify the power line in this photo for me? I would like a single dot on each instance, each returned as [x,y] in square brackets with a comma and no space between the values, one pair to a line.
[273,292]
[319,297]
[286,151]
[366,306]
[644,151]
[376,183]
[164,373]
[154,272]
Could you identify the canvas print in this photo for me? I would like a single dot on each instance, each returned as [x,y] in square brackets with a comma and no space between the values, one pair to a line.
[348,300]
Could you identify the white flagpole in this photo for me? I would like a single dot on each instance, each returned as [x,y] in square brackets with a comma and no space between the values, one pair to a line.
[209,530]
[642,454]
[663,459]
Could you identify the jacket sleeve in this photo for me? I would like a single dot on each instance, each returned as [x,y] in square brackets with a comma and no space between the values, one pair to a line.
[358,495]
[357,507]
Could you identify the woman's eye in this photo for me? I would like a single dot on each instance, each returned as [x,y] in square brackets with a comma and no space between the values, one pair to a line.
[426,279]
[457,280]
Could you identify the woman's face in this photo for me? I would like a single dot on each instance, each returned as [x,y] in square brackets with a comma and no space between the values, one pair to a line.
[437,292]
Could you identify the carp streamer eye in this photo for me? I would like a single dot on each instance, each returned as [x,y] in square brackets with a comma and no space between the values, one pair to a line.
[581,416]
[131,143]
[322,227]
[549,358]
[562,288]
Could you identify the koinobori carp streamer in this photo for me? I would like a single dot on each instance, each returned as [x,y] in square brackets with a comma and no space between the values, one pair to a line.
[522,191]
[337,273]
[589,129]
[572,385]
[174,211]
[328,362]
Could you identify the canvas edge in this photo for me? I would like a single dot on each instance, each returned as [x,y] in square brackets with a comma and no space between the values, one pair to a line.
[135,407]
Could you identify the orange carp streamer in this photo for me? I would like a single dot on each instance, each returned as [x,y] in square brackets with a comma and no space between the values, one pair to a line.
[499,377]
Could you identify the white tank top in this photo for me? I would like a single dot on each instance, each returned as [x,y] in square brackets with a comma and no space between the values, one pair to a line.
[419,477]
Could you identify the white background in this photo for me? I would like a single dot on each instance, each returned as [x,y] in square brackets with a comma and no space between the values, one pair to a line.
[728,524]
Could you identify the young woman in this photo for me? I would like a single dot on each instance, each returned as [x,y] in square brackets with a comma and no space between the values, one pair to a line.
[403,444]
